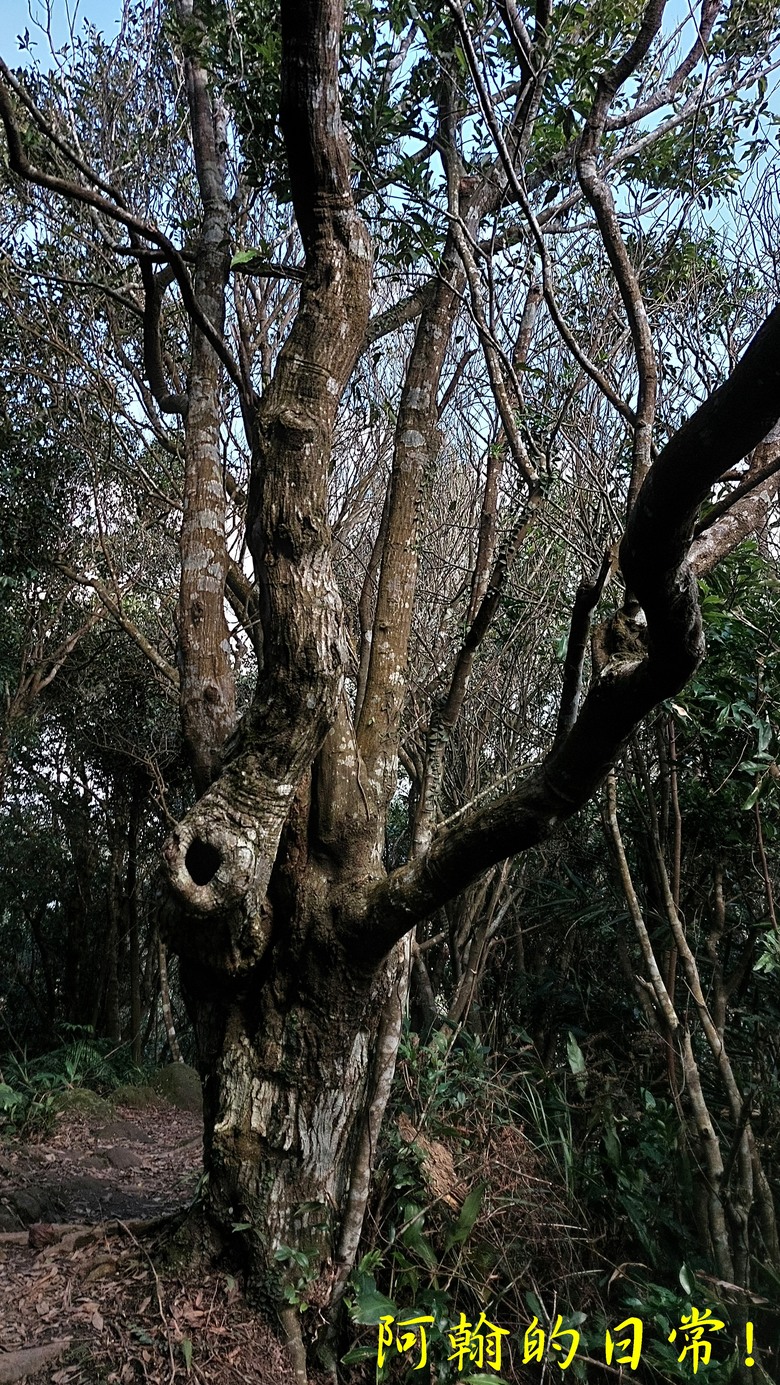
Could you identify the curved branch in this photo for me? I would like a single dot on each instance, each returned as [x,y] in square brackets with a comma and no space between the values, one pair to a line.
[77,192]
[154,287]
[710,10]
[654,558]
[599,195]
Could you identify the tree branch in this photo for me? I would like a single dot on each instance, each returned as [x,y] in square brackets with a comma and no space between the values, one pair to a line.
[599,195]
[115,210]
[654,560]
[114,607]
[515,186]
[709,12]
[585,603]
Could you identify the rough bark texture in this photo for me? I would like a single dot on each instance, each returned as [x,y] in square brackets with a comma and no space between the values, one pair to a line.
[285,1028]
[282,911]
[288,1068]
[278,902]
[206,686]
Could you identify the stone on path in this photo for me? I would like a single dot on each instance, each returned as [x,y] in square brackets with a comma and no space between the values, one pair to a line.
[17,1365]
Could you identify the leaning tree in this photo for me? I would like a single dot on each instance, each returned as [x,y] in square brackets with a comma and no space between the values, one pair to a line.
[481,167]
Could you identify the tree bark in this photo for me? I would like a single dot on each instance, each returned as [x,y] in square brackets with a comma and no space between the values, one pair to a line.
[285,1023]
[281,909]
[133,934]
[165,1003]
[206,684]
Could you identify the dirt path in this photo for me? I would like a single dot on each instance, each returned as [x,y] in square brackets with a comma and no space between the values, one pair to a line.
[136,1165]
[85,1303]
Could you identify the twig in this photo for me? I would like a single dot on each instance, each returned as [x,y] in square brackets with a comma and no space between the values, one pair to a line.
[158,1291]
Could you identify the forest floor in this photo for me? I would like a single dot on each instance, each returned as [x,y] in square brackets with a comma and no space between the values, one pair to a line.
[82,1301]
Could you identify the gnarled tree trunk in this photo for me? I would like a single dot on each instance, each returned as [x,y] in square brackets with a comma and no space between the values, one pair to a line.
[282,912]
[288,926]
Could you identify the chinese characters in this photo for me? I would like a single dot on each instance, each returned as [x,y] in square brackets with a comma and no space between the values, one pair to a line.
[479,1345]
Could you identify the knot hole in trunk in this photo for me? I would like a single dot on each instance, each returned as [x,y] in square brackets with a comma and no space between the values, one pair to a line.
[202,861]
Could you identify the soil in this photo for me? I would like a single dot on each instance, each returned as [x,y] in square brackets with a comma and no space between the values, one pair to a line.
[140,1164]
[84,1299]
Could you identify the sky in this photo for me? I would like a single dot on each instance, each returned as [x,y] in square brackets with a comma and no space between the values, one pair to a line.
[18,15]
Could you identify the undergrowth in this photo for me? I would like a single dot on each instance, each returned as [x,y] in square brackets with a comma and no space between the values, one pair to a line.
[523,1196]
[30,1087]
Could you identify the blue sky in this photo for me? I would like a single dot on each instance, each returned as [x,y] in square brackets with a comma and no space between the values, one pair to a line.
[18,15]
[15,17]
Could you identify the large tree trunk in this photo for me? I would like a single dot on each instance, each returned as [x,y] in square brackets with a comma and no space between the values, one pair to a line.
[287,1071]
[259,871]
[280,908]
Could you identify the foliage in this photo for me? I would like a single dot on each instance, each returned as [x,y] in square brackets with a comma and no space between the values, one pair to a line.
[29,1091]
[541,1153]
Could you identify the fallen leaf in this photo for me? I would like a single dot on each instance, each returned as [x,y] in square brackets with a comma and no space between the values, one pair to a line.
[193,1316]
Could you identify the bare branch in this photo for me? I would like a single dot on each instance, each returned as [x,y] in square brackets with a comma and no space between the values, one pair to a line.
[78,192]
[599,195]
[114,607]
[654,560]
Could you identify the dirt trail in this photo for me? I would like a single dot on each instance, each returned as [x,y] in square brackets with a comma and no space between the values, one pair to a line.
[138,1164]
[87,1303]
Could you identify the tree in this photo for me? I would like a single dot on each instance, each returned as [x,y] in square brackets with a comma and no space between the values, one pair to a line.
[292,924]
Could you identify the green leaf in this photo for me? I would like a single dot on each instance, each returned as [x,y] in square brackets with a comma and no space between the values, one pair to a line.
[534,1305]
[358,1354]
[414,1239]
[468,1216]
[186,1351]
[575,1055]
[482,1378]
[560,647]
[142,1336]
[577,1063]
[369,1262]
[290,1255]
[612,1144]
[370,1306]
[685,1279]
[247,257]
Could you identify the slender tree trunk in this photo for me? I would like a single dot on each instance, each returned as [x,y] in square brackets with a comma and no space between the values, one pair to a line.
[165,1001]
[134,942]
[206,683]
[115,914]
